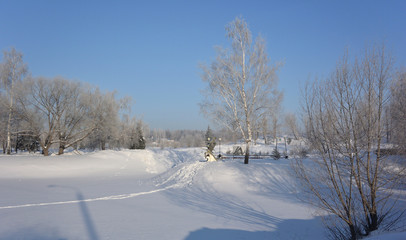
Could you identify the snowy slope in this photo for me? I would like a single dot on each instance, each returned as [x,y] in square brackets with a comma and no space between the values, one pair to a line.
[151,194]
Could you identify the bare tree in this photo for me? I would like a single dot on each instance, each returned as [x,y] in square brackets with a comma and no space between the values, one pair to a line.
[105,108]
[265,129]
[344,123]
[43,107]
[292,125]
[275,126]
[81,115]
[3,121]
[329,184]
[398,110]
[58,111]
[12,70]
[242,83]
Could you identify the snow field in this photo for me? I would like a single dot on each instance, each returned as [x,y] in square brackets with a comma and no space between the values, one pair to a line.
[150,194]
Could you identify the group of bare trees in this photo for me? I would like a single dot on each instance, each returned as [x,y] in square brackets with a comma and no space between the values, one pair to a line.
[397,112]
[56,112]
[352,178]
[176,138]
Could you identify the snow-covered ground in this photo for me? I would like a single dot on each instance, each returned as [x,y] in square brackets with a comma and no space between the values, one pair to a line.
[150,194]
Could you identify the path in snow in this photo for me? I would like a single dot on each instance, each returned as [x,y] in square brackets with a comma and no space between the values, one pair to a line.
[107,198]
[180,175]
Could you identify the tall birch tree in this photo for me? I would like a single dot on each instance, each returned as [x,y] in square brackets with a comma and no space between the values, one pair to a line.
[12,70]
[242,84]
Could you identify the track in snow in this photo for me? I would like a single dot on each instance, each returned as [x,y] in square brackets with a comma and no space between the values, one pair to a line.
[113,197]
[177,177]
[181,176]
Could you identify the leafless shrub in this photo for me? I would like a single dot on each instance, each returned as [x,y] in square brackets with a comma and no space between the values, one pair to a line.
[344,124]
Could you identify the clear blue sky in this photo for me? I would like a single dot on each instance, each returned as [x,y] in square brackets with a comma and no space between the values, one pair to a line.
[151,50]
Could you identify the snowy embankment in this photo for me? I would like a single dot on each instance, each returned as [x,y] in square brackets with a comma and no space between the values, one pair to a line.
[150,194]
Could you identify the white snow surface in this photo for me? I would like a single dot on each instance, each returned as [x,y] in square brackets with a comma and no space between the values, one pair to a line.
[150,194]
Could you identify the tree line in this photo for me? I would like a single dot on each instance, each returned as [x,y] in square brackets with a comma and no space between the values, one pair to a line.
[40,113]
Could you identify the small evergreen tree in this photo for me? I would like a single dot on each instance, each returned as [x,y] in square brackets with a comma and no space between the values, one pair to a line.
[140,137]
[209,136]
[137,140]
[133,138]
[210,139]
[276,154]
[211,144]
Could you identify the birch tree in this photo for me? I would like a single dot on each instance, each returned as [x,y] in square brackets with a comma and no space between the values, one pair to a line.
[242,84]
[3,122]
[12,71]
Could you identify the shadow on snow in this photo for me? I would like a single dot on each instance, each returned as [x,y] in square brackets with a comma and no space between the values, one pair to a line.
[44,233]
[201,196]
[292,229]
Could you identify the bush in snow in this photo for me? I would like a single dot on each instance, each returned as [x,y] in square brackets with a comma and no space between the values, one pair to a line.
[299,151]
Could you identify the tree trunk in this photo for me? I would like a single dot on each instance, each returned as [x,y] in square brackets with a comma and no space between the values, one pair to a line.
[276,144]
[353,232]
[10,116]
[61,143]
[61,149]
[374,222]
[247,153]
[103,145]
[9,132]
[45,151]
